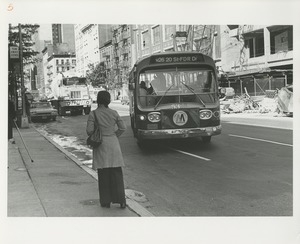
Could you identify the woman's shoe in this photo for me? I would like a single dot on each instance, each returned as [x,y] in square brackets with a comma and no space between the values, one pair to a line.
[123,205]
[105,205]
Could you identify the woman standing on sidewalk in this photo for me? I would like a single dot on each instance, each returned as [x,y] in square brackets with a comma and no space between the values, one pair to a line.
[107,158]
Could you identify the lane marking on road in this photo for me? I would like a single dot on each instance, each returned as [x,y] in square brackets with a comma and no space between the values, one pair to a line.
[190,154]
[257,139]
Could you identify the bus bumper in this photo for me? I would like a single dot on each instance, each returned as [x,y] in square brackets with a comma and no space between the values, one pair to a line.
[179,133]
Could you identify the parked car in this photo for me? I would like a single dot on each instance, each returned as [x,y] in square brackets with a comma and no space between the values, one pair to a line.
[42,110]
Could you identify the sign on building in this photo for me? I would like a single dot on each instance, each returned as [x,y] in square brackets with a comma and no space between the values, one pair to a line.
[14,52]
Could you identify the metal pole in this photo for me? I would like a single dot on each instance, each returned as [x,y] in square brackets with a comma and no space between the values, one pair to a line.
[254,83]
[24,119]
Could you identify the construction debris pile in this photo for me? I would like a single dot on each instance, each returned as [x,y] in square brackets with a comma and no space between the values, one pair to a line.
[281,103]
[239,104]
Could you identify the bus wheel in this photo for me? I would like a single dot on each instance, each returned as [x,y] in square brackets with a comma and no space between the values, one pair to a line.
[206,139]
[131,122]
[141,143]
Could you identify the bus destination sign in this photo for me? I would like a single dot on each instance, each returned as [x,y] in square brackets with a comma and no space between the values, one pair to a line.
[180,58]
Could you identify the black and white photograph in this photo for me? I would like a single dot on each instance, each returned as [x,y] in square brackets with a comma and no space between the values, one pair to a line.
[150,122]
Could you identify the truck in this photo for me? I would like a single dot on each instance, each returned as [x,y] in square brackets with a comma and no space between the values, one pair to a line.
[94,92]
[70,94]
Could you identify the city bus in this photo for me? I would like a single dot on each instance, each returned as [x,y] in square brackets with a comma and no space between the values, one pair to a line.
[174,95]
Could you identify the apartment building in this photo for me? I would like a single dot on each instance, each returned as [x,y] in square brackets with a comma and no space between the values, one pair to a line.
[256,58]
[41,40]
[57,59]
[149,39]
[87,45]
[106,57]
[63,33]
[121,44]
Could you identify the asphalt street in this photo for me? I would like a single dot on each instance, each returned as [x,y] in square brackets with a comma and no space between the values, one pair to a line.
[246,171]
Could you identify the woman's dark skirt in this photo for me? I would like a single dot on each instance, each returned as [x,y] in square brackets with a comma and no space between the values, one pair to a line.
[111,185]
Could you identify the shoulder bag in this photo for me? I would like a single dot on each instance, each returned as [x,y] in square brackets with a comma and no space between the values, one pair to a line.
[95,139]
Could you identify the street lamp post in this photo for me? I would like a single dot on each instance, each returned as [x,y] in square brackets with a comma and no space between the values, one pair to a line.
[24,118]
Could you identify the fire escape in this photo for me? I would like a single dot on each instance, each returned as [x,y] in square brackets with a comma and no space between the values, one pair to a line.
[121,54]
[124,52]
[116,55]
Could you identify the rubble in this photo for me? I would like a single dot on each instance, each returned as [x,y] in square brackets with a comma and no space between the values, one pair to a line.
[248,104]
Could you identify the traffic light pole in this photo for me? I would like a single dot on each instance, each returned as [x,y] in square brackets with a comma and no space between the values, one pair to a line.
[24,118]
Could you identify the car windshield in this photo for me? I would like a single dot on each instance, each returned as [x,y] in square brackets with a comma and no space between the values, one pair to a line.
[74,81]
[174,86]
[41,105]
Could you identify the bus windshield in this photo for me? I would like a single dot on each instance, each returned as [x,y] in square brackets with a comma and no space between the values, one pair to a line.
[175,86]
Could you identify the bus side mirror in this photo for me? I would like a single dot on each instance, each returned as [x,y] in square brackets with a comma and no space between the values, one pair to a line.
[131,86]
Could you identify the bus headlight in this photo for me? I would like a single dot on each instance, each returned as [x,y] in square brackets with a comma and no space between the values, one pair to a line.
[142,117]
[205,114]
[154,117]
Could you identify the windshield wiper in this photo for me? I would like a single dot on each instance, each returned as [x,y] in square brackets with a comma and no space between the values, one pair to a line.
[192,90]
[163,96]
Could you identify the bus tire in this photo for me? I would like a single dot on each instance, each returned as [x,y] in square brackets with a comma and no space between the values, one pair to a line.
[206,139]
[131,123]
[141,143]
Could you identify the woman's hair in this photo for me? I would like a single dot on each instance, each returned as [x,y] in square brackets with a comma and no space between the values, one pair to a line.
[103,97]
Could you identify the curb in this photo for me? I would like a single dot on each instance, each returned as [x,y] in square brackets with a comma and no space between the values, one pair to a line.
[131,204]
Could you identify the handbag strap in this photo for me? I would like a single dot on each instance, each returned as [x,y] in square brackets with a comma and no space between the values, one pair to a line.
[96,118]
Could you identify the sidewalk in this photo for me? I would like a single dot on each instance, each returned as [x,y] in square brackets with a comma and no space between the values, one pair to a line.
[52,185]
[272,120]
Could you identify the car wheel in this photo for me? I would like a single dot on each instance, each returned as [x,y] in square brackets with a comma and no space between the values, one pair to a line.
[61,111]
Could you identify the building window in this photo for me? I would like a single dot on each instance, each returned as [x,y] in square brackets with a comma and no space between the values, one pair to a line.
[281,41]
[169,30]
[145,39]
[57,69]
[74,62]
[256,46]
[62,61]
[156,35]
[57,61]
